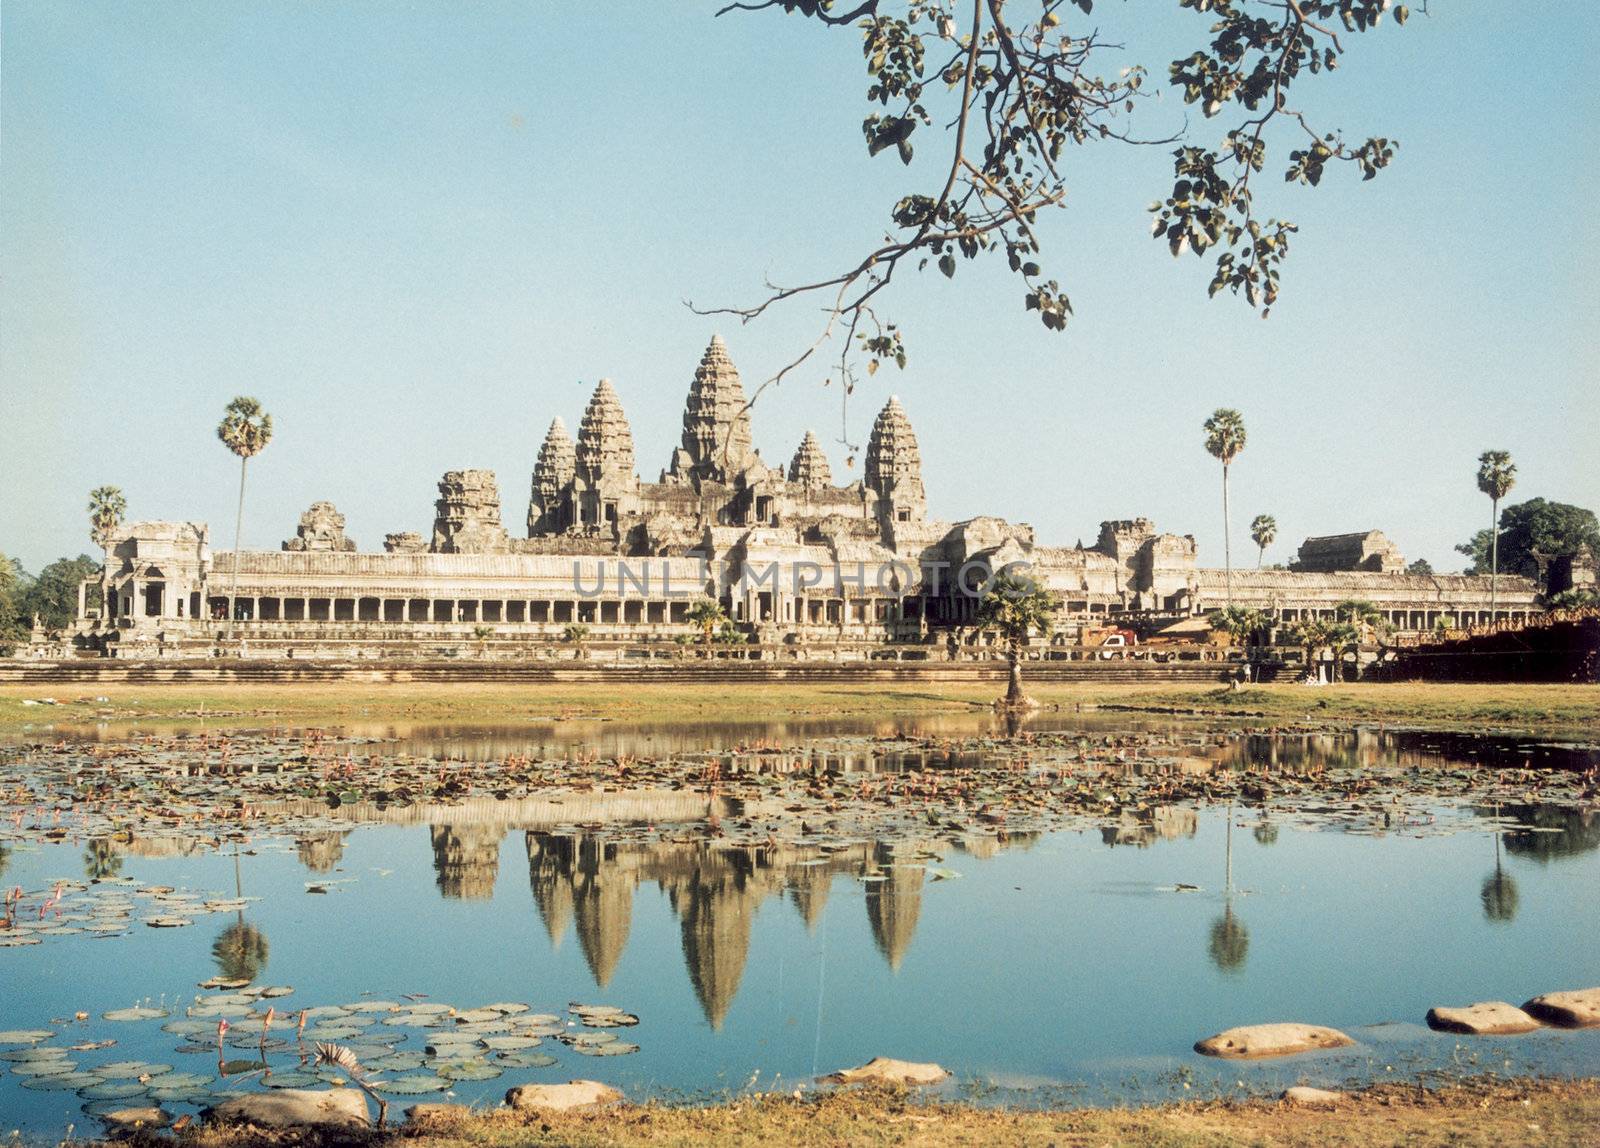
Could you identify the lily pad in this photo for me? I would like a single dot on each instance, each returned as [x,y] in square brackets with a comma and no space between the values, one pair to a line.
[527,1059]
[167,922]
[398,1062]
[510,1043]
[415,1085]
[137,1013]
[112,1090]
[64,1082]
[468,1070]
[374,1006]
[25,1035]
[610,1048]
[292,1080]
[129,1069]
[49,1066]
[24,1055]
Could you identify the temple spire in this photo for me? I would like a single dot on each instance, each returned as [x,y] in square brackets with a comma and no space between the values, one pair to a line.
[809,467]
[605,441]
[894,465]
[716,422]
[552,472]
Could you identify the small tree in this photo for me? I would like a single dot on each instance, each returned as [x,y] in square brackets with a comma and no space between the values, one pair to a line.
[1016,606]
[245,430]
[106,509]
[1497,474]
[1225,437]
[706,615]
[1263,532]
[1420,568]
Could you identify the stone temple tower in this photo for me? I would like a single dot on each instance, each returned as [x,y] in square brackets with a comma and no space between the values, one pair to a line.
[548,511]
[716,426]
[894,466]
[809,468]
[606,486]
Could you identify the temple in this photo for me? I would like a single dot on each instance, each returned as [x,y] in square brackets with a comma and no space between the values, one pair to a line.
[612,564]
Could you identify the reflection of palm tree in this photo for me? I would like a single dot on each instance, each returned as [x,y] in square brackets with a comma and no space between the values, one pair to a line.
[101,860]
[1499,896]
[1499,893]
[1230,941]
[1266,833]
[5,859]
[240,951]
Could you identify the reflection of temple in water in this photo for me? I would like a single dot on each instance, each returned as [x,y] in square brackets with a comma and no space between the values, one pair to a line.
[715,889]
[321,852]
[1162,823]
[466,859]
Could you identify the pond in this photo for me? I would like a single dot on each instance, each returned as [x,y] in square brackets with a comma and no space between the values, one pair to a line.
[1055,917]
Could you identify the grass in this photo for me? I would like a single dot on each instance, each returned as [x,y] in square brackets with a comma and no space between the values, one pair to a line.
[1471,1114]
[1551,710]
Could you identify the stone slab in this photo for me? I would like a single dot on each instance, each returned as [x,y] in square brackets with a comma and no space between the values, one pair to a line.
[1257,1041]
[1486,1018]
[1577,1008]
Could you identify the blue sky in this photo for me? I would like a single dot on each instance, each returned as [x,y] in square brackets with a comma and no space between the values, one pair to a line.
[417,232]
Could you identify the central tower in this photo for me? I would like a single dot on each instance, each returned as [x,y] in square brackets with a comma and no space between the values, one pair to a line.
[716,422]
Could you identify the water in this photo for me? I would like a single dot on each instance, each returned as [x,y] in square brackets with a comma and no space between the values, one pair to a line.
[1039,966]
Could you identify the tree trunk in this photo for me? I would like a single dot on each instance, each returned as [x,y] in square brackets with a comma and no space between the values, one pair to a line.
[1494,556]
[238,532]
[1014,695]
[1227,541]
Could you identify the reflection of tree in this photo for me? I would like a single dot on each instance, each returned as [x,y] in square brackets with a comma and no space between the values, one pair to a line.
[1230,942]
[240,951]
[101,859]
[5,859]
[1499,896]
[1499,893]
[1265,833]
[1553,831]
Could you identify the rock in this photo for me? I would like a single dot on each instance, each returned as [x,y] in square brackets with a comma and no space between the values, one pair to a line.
[430,1113]
[1307,1097]
[133,1119]
[561,1097]
[1486,1018]
[886,1070]
[295,1108]
[1579,1008]
[1255,1041]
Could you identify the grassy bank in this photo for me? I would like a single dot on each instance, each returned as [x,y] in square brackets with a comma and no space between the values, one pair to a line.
[1547,709]
[1490,1114]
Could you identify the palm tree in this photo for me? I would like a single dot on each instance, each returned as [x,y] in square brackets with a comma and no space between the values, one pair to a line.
[1238,622]
[245,430]
[1263,532]
[1497,474]
[1016,606]
[106,508]
[1224,440]
[708,615]
[578,635]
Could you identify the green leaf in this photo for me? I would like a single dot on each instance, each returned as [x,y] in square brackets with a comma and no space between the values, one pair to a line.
[947,264]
